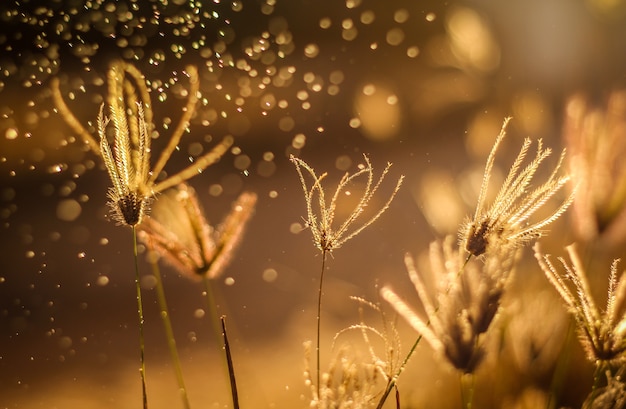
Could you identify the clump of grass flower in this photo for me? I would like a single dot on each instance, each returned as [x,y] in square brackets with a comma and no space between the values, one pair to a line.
[595,137]
[327,235]
[506,221]
[178,231]
[602,333]
[350,383]
[128,162]
[461,308]
[388,364]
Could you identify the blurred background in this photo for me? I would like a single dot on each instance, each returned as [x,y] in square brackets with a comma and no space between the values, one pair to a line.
[422,84]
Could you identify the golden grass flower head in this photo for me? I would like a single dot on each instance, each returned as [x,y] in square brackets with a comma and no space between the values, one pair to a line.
[506,221]
[328,236]
[349,383]
[462,306]
[128,162]
[178,231]
[595,137]
[602,333]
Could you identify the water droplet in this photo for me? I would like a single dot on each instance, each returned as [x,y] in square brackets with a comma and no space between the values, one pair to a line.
[102,281]
[68,210]
[270,275]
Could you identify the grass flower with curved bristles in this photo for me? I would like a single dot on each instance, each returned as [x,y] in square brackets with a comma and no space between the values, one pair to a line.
[326,236]
[506,221]
[128,162]
[602,333]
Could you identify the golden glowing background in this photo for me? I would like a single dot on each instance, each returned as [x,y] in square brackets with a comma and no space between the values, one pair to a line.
[422,84]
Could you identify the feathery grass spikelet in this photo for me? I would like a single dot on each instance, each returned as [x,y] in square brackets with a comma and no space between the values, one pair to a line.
[506,221]
[321,213]
[179,232]
[128,163]
[602,333]
[463,306]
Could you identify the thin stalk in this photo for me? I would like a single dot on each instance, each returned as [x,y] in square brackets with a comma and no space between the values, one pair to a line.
[209,299]
[211,306]
[467,389]
[319,316]
[560,372]
[169,334]
[231,368]
[142,370]
[394,379]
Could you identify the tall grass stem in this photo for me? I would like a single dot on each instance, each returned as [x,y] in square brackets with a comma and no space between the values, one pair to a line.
[319,320]
[142,370]
[229,362]
[169,334]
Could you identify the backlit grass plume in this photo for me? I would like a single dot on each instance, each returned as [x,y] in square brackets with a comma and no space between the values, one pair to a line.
[506,221]
[601,332]
[328,234]
[461,307]
[180,233]
[128,161]
[595,137]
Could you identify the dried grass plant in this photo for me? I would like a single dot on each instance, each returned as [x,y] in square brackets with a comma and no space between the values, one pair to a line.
[506,221]
[601,332]
[178,231]
[328,235]
[128,161]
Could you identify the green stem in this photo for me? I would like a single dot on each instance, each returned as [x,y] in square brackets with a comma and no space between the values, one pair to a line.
[560,372]
[467,389]
[319,316]
[169,333]
[211,306]
[142,370]
[209,299]
[229,362]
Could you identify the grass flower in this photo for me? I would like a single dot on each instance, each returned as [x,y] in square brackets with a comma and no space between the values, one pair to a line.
[460,310]
[506,221]
[179,232]
[602,333]
[321,215]
[596,141]
[349,383]
[128,162]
